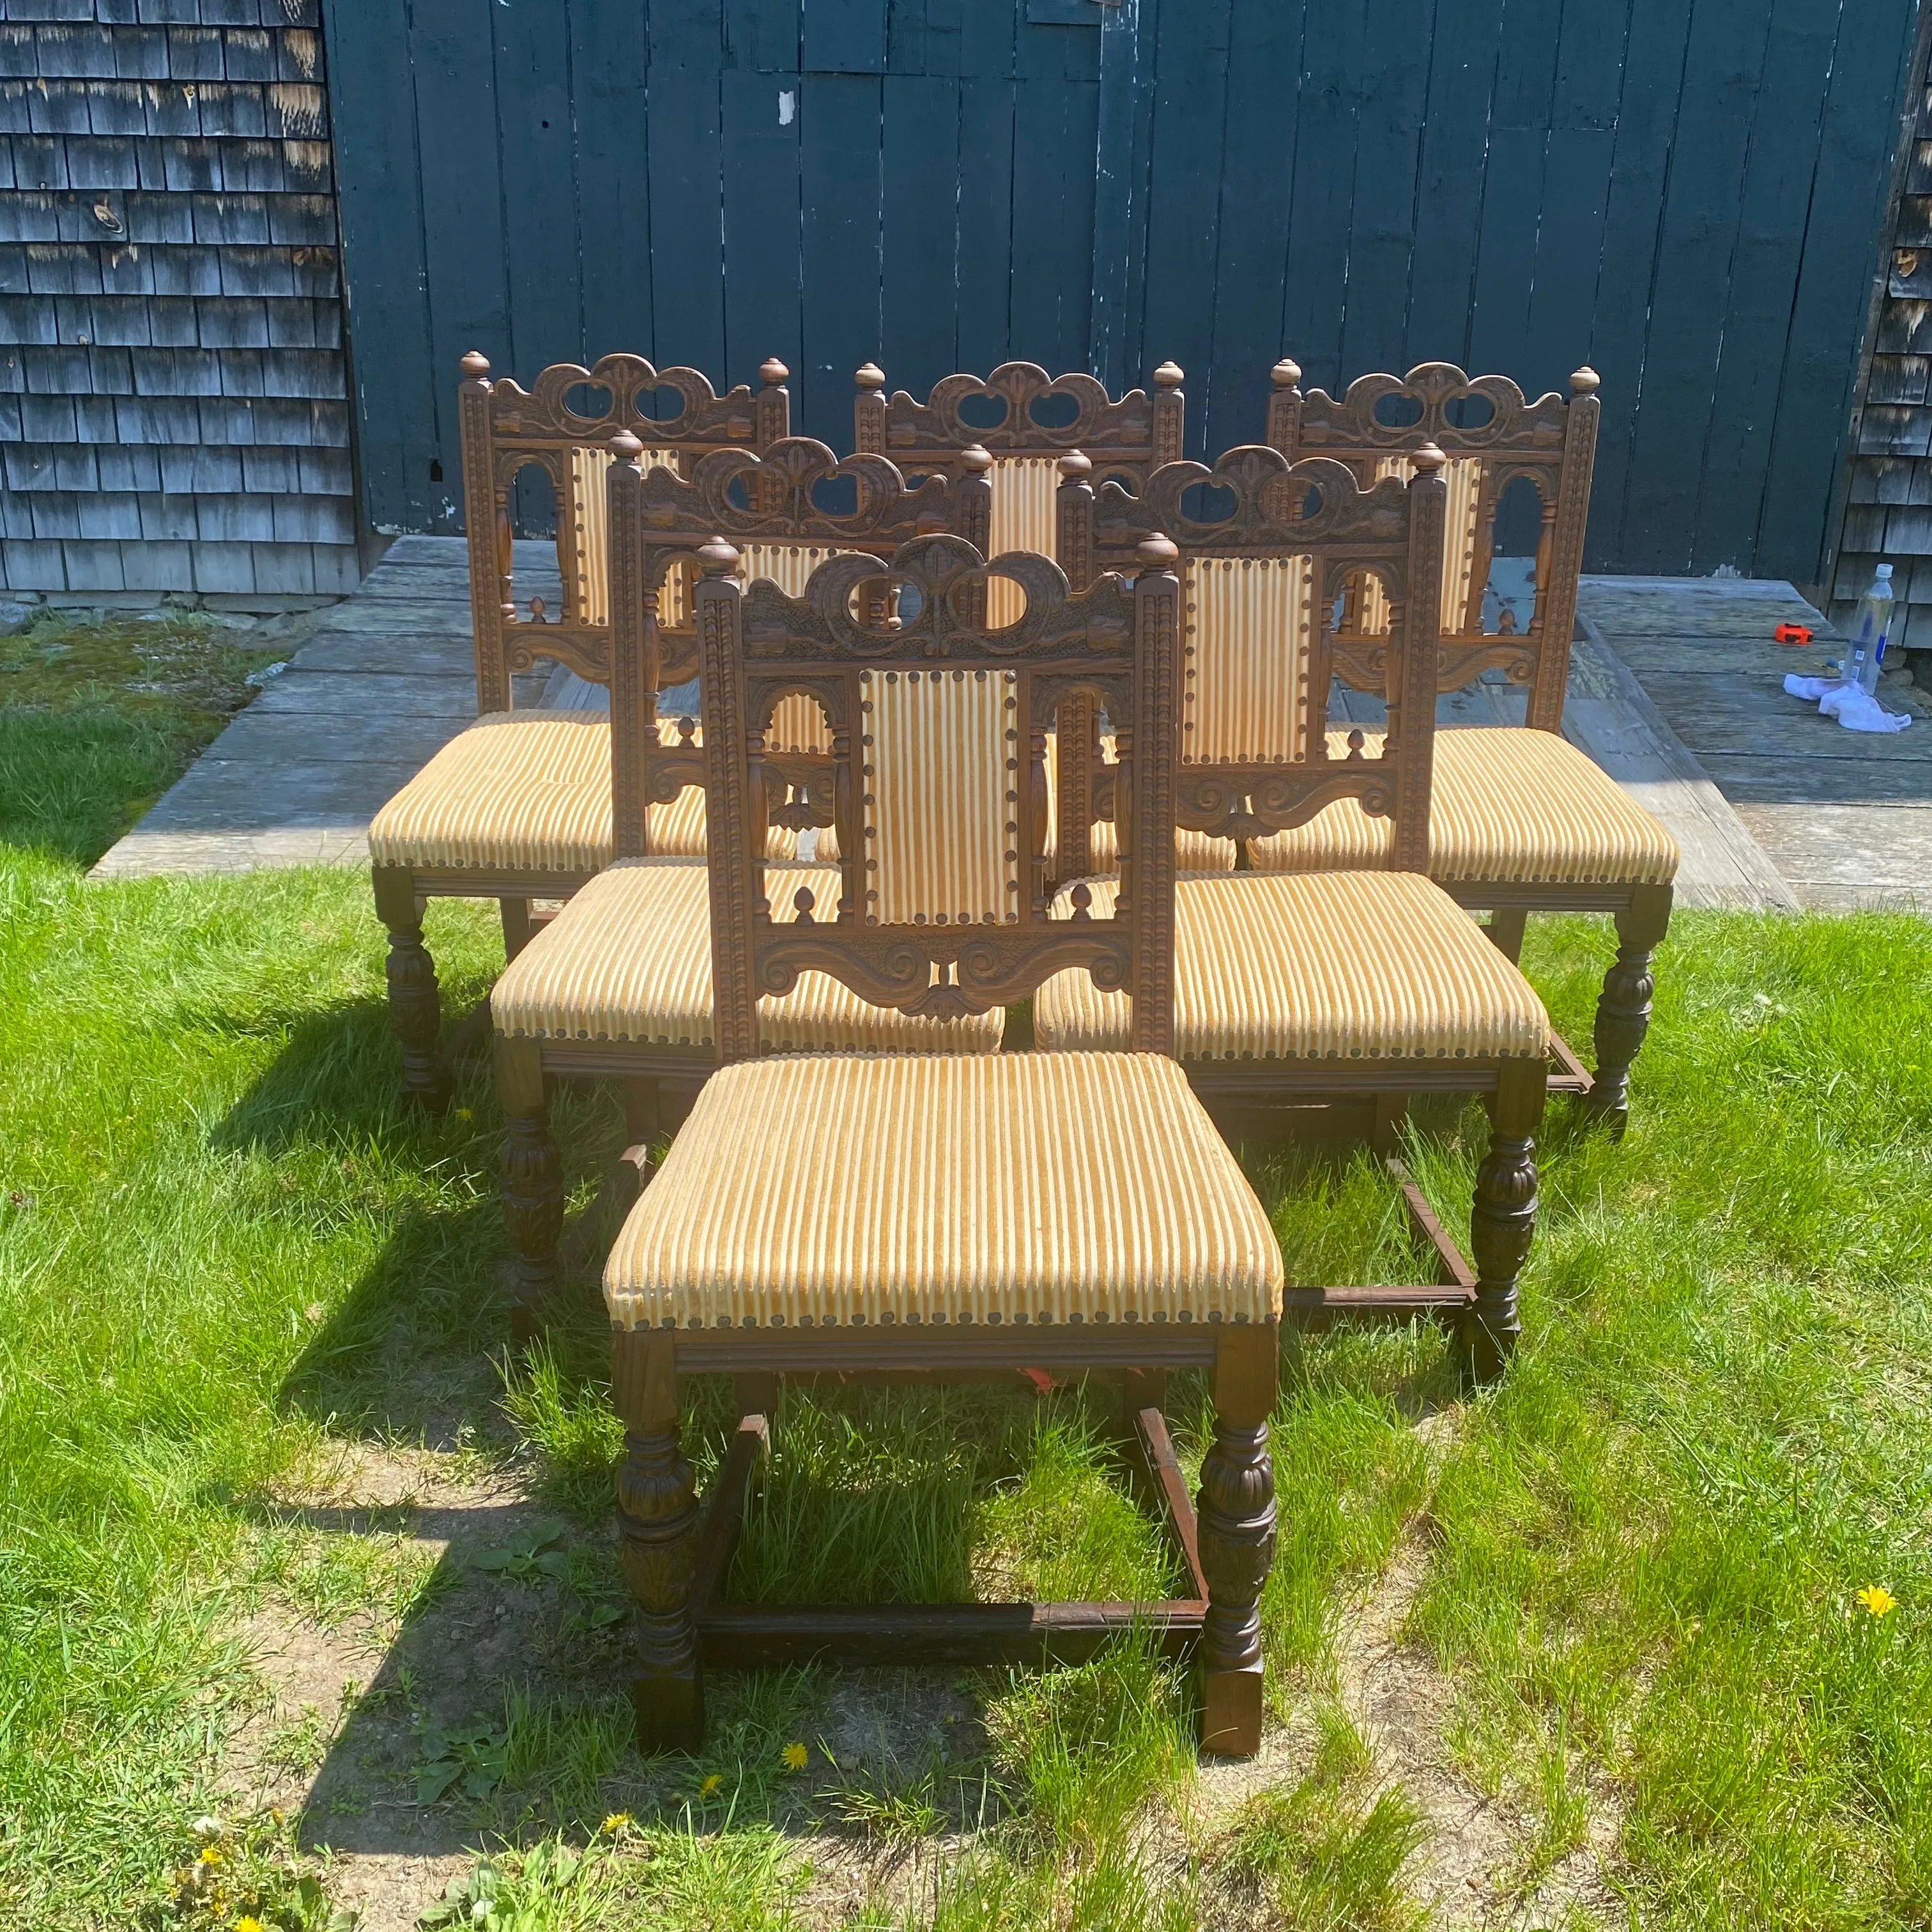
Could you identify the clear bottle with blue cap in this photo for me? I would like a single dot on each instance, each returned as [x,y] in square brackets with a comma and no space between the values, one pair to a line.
[1864,653]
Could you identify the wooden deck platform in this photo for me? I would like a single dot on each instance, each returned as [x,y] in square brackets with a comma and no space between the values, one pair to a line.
[387,679]
[1844,816]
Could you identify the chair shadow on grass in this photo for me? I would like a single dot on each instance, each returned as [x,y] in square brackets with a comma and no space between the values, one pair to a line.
[512,1665]
[406,1355]
[511,1675]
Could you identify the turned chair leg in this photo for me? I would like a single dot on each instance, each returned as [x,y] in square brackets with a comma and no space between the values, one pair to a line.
[1503,1219]
[1623,1008]
[1506,928]
[416,1002]
[657,1524]
[517,926]
[1236,1513]
[532,1184]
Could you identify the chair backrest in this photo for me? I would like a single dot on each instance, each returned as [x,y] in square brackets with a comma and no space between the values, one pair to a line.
[771,507]
[939,727]
[1492,435]
[1127,438]
[1268,549]
[506,429]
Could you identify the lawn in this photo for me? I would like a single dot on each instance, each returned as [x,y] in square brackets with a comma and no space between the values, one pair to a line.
[289,1546]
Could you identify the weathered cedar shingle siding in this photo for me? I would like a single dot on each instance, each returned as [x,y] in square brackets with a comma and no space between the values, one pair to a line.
[1888,501]
[173,411]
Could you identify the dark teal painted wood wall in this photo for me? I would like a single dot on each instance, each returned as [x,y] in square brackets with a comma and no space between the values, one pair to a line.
[1688,193]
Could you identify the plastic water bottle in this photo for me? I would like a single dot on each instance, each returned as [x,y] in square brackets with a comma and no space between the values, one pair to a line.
[1864,654]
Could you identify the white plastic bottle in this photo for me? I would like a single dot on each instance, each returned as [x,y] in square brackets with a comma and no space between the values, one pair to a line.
[1864,654]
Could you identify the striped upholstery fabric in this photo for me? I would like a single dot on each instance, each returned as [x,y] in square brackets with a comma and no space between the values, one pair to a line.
[1463,476]
[629,959]
[1024,516]
[1506,805]
[530,791]
[590,513]
[524,791]
[1315,967]
[942,832]
[816,1192]
[1249,626]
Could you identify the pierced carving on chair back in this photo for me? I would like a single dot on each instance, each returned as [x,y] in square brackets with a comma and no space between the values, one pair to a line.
[1138,432]
[1390,532]
[660,521]
[1111,645]
[505,429]
[1551,441]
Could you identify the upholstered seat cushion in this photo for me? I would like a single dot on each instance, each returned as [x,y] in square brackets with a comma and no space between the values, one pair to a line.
[628,959]
[530,791]
[815,1191]
[1318,966]
[1507,805]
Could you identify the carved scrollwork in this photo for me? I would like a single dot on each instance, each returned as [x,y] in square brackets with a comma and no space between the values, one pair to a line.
[936,569]
[990,966]
[544,411]
[1457,663]
[1352,422]
[1269,510]
[586,650]
[1100,425]
[1251,802]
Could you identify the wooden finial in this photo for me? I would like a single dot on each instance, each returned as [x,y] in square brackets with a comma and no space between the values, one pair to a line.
[624,446]
[1427,459]
[1074,465]
[1156,552]
[977,457]
[717,557]
[1285,374]
[476,364]
[1168,376]
[1585,381]
[772,370]
[869,376]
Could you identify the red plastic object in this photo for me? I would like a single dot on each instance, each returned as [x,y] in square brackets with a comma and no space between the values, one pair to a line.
[1793,634]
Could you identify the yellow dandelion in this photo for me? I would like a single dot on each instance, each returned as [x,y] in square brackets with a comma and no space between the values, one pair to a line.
[617,1822]
[1877,1599]
[715,1784]
[248,1922]
[795,1757]
[209,1855]
[465,1114]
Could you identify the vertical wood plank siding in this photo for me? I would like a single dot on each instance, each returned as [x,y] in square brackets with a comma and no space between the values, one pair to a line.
[174,411]
[1688,193]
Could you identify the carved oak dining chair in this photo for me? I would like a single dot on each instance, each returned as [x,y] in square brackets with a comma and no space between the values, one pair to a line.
[618,985]
[970,1214]
[1520,820]
[1027,420]
[1370,982]
[517,807]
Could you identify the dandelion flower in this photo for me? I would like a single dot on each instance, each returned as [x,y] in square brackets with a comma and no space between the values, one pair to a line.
[1877,1599]
[616,1821]
[209,1855]
[248,1922]
[712,1785]
[795,1757]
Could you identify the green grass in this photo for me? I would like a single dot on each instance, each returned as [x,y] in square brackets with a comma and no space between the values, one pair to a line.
[225,1254]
